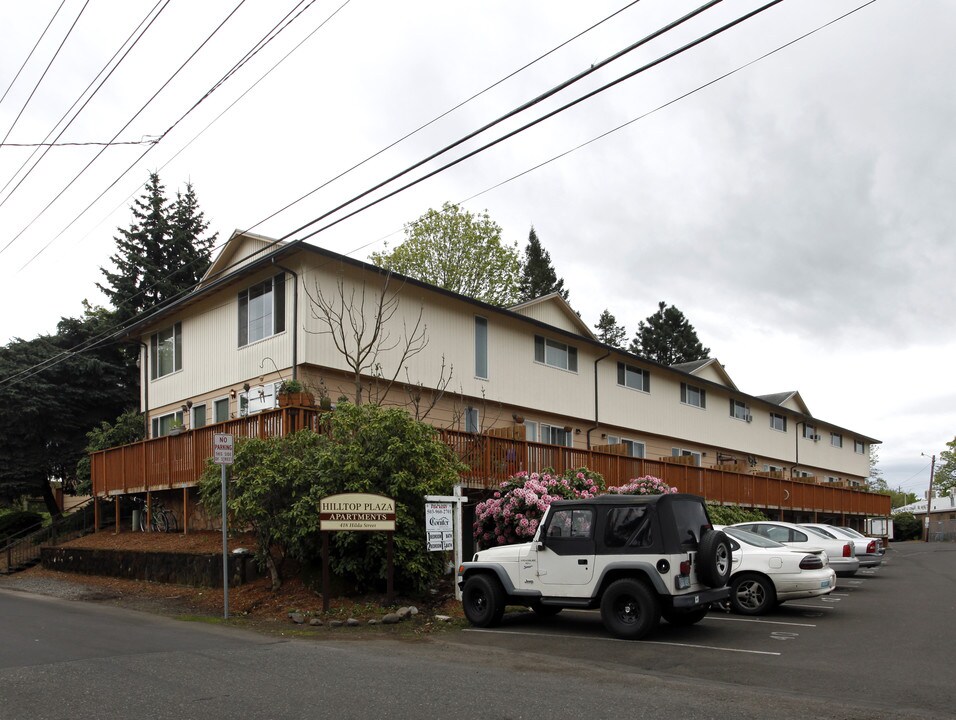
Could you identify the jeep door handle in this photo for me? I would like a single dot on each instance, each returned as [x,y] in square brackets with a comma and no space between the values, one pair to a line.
[582,561]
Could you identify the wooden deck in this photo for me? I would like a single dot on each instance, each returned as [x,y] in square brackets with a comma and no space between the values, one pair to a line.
[172,462]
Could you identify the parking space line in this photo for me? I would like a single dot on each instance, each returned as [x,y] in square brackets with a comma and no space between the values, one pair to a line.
[641,642]
[809,607]
[840,594]
[758,621]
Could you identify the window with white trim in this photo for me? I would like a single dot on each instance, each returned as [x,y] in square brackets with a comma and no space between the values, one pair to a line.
[778,422]
[262,310]
[859,447]
[810,432]
[162,424]
[481,347]
[220,410]
[166,351]
[772,468]
[692,395]
[802,474]
[679,452]
[556,354]
[634,448]
[836,440]
[531,431]
[198,416]
[739,410]
[633,377]
[259,398]
[554,435]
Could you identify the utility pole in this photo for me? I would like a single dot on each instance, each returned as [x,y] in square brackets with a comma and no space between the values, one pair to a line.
[929,498]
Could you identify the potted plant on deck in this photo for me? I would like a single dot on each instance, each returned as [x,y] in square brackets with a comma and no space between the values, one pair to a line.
[293,394]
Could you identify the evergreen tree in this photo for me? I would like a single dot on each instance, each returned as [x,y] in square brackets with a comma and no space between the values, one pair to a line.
[161,254]
[666,337]
[538,276]
[609,332]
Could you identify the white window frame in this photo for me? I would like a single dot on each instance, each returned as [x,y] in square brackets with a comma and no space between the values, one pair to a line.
[215,402]
[156,424]
[641,381]
[157,344]
[552,431]
[810,432]
[836,440]
[259,398]
[542,357]
[194,413]
[680,452]
[777,416]
[276,322]
[635,449]
[531,431]
[690,392]
[739,410]
[481,353]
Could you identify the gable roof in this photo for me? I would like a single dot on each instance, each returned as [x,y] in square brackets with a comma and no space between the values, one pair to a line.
[709,369]
[790,400]
[553,307]
[240,249]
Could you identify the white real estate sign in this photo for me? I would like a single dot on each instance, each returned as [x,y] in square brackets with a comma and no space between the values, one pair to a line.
[438,526]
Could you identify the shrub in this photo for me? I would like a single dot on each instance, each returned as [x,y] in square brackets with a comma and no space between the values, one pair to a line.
[17,521]
[512,514]
[731,514]
[906,526]
[647,485]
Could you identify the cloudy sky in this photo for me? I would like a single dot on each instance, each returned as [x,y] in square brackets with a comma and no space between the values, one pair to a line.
[794,205]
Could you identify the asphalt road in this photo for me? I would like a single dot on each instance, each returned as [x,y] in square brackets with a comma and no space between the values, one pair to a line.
[880,648]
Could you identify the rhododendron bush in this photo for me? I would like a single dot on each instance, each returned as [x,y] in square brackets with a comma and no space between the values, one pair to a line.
[512,514]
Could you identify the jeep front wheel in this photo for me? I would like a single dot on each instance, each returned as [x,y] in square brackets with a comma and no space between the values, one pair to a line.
[483,600]
[629,610]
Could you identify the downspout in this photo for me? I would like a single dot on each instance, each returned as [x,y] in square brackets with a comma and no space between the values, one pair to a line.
[596,416]
[295,317]
[145,384]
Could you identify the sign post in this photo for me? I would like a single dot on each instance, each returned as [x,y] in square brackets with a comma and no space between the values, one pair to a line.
[439,507]
[361,512]
[222,454]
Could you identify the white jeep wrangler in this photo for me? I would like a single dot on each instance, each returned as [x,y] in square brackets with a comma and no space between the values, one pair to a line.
[637,558]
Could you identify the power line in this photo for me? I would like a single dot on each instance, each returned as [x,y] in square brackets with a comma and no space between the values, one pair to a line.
[708,36]
[45,71]
[269,37]
[81,144]
[33,50]
[89,98]
[128,123]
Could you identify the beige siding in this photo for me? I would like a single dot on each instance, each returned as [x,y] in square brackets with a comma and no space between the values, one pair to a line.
[550,312]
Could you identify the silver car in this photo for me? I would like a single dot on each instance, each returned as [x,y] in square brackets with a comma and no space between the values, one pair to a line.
[841,554]
[867,549]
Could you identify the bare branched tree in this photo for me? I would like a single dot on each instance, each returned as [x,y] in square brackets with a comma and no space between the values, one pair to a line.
[423,399]
[358,323]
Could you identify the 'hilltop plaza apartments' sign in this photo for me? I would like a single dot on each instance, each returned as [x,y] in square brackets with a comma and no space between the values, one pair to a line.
[357,511]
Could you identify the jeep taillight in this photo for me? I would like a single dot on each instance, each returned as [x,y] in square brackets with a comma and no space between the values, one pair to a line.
[847,550]
[682,581]
[811,562]
[685,567]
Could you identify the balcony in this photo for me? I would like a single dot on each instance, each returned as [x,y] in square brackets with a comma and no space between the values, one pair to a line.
[174,462]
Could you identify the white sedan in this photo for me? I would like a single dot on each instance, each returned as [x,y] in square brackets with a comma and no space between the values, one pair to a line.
[765,573]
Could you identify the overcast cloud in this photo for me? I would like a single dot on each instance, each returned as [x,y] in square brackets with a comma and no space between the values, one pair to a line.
[798,211]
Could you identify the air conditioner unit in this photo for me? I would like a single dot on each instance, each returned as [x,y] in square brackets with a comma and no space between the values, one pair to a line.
[815,438]
[749,418]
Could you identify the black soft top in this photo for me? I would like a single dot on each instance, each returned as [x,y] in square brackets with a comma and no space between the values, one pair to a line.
[610,499]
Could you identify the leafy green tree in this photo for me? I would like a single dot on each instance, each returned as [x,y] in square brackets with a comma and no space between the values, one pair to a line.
[898,498]
[127,428]
[538,277]
[459,251]
[667,337]
[50,396]
[944,479]
[876,482]
[906,526]
[609,332]
[277,484]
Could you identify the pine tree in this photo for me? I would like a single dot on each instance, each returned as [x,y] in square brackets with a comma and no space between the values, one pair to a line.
[668,338]
[538,276]
[609,332]
[161,254]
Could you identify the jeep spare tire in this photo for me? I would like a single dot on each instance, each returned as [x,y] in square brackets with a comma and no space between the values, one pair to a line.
[714,559]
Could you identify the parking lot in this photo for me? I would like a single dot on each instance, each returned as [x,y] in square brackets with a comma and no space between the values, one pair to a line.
[883,638]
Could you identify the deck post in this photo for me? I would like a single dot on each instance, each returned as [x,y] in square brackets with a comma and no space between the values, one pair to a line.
[117,528]
[185,511]
[96,513]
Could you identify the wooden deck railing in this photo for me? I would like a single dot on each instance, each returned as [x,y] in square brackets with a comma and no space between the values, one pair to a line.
[177,461]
